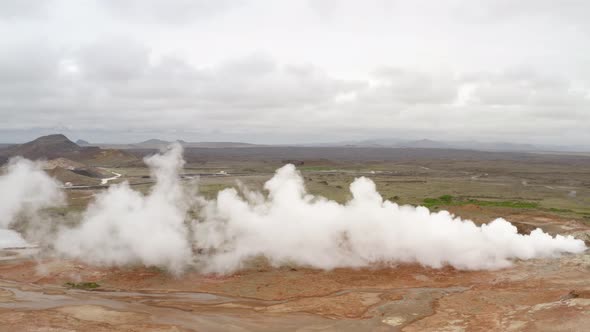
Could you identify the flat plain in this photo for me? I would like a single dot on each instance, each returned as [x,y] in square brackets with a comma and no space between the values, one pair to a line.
[549,191]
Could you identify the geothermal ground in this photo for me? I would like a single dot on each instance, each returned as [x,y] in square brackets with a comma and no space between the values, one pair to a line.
[41,292]
[60,295]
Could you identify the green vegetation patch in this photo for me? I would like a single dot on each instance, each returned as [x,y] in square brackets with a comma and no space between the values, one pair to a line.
[316,168]
[82,285]
[447,200]
[560,210]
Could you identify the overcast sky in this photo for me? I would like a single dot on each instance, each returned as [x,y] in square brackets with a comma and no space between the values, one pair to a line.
[296,71]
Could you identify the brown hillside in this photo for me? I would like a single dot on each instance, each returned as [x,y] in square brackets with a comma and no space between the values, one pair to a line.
[77,167]
[59,146]
[51,146]
[110,158]
[64,163]
[66,175]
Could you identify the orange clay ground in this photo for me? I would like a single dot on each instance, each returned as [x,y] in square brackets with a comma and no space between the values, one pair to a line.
[536,295]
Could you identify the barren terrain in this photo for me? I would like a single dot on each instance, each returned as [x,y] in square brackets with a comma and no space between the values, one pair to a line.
[39,292]
[538,295]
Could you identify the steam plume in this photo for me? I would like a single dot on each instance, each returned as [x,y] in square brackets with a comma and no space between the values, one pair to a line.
[123,226]
[293,227]
[24,191]
[287,227]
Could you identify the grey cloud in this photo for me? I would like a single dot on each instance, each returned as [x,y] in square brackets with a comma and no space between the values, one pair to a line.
[258,81]
[113,81]
[29,73]
[310,73]
[28,9]
[27,61]
[115,59]
[527,88]
[168,12]
[572,11]
[116,86]
[324,8]
[404,86]
[251,81]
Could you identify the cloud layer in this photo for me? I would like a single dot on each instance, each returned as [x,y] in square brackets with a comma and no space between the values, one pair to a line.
[242,70]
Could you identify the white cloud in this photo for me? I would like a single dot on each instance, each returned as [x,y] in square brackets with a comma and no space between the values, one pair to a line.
[167,12]
[396,85]
[23,9]
[305,70]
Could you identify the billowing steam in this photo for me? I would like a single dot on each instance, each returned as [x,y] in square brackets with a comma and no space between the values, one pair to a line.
[293,227]
[24,191]
[174,229]
[124,226]
[11,239]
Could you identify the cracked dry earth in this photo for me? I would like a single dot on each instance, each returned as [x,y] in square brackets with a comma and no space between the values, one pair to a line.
[535,295]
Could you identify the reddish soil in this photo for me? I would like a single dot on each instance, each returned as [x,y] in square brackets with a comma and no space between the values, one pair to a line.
[535,295]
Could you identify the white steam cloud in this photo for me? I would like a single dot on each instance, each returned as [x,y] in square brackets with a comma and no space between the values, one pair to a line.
[24,190]
[11,239]
[175,229]
[123,226]
[293,227]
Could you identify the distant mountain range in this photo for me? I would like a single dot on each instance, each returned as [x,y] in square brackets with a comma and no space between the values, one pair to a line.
[430,144]
[58,145]
[155,143]
[461,145]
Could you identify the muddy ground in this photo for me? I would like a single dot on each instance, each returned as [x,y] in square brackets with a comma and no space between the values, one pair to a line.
[535,295]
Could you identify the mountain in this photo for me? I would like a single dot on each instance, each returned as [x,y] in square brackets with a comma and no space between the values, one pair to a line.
[155,143]
[425,144]
[495,146]
[218,145]
[432,144]
[58,145]
[82,142]
[394,143]
[51,146]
